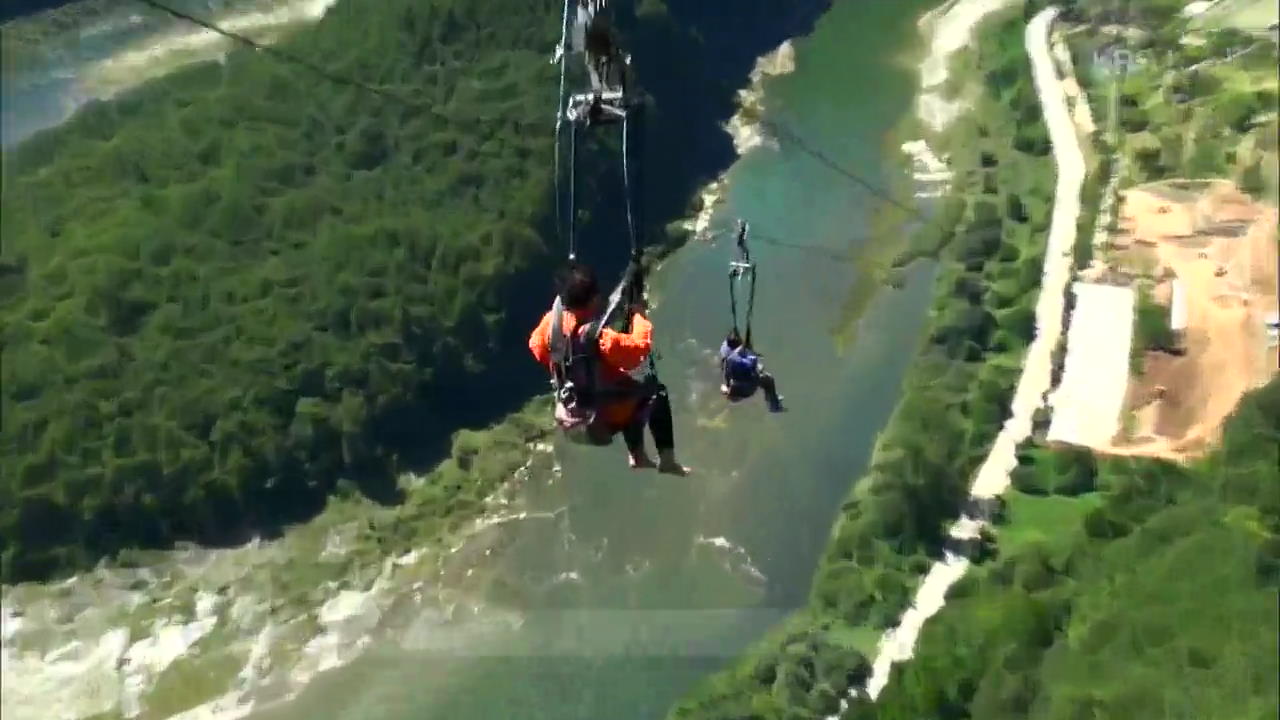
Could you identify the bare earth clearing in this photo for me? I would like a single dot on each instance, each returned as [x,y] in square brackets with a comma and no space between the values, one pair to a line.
[1222,246]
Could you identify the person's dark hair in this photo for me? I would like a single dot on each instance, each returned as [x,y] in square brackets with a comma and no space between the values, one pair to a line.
[598,37]
[578,286]
[733,341]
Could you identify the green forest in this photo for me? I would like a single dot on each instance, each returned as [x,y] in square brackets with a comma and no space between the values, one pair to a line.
[227,289]
[954,401]
[1123,588]
[1130,587]
[218,286]
[1112,588]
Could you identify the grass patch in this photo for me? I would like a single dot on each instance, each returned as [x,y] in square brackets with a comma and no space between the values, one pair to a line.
[1050,520]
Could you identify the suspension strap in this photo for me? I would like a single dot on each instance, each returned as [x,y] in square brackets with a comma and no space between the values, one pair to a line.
[626,185]
[733,299]
[573,185]
[635,288]
[737,270]
[563,50]
[558,341]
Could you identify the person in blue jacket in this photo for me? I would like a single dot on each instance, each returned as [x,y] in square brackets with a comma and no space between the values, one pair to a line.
[742,373]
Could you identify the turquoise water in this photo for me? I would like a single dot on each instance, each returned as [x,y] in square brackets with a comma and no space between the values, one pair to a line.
[52,83]
[638,585]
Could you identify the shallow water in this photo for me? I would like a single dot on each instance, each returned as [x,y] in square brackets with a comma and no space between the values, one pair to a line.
[124,48]
[634,586]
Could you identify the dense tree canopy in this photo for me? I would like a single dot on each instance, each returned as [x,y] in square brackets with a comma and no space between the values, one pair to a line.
[1132,588]
[225,279]
[230,287]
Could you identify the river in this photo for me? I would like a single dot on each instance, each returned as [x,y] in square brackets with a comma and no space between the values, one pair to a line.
[630,587]
[621,590]
[117,47]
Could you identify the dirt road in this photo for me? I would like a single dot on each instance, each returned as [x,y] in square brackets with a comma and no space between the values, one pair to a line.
[992,478]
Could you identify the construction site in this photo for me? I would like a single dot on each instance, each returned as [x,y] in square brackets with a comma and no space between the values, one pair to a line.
[1205,254]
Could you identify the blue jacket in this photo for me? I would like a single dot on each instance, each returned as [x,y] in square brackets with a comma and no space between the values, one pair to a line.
[740,366]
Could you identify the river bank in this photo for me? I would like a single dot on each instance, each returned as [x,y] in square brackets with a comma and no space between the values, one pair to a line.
[643,584]
[1100,560]
[993,476]
[898,516]
[58,61]
[169,635]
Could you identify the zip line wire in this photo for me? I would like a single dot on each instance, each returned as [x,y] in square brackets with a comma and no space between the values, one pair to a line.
[786,134]
[779,129]
[713,237]
[282,54]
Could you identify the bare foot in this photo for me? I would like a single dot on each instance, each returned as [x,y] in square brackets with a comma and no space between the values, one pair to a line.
[641,462]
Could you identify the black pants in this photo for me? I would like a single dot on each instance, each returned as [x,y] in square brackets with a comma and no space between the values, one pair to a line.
[765,381]
[657,410]
[770,388]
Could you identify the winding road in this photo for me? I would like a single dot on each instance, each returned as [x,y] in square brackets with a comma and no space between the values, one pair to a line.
[993,476]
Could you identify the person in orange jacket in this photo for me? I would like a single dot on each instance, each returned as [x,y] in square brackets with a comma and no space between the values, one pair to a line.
[633,404]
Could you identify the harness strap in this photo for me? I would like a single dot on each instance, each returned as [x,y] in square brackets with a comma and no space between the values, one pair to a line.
[626,186]
[573,186]
[737,269]
[736,273]
[560,345]
[563,52]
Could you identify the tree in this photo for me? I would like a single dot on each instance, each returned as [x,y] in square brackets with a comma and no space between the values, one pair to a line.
[1251,179]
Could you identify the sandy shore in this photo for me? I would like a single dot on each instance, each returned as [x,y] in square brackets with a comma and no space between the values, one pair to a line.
[746,130]
[157,55]
[950,28]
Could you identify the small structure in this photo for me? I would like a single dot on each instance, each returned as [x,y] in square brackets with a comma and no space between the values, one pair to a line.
[1114,57]
[1273,329]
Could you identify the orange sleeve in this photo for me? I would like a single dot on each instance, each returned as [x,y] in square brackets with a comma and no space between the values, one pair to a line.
[539,341]
[626,351]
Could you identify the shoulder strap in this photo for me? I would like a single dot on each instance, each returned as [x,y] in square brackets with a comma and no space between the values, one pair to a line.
[591,336]
[556,339]
[558,344]
[561,345]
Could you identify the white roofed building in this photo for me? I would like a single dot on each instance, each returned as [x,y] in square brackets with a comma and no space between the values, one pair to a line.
[1087,403]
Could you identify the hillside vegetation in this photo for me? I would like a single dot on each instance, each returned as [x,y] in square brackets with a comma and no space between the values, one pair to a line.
[955,398]
[1124,588]
[218,286]
[1133,587]
[229,288]
[1201,103]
